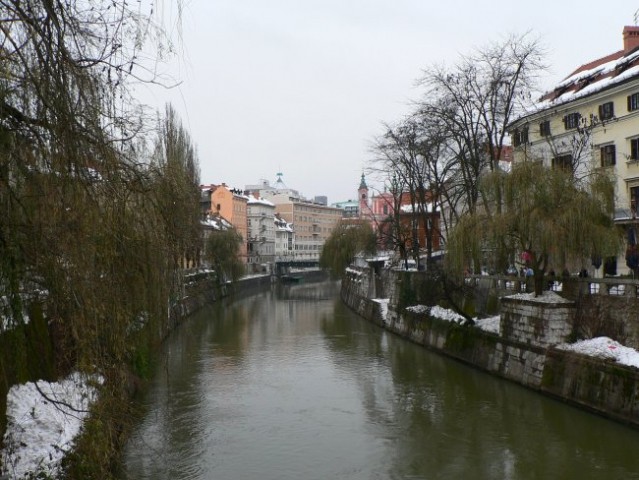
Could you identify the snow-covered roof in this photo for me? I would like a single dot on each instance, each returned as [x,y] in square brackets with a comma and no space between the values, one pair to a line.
[592,78]
[216,223]
[260,201]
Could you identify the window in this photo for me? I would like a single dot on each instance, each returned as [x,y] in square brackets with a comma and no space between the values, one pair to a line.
[608,155]
[562,161]
[606,111]
[544,128]
[520,136]
[633,102]
[634,149]
[634,200]
[572,120]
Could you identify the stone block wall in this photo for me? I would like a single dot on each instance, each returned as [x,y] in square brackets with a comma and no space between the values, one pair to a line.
[543,321]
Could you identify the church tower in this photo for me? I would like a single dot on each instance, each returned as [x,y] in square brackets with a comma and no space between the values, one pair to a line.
[362,195]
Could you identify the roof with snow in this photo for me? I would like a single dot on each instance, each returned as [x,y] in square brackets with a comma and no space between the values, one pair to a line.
[216,222]
[259,201]
[597,75]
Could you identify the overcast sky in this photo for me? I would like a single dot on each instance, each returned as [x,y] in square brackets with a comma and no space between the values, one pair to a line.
[302,86]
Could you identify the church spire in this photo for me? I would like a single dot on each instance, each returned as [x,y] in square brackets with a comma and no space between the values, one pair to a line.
[362,184]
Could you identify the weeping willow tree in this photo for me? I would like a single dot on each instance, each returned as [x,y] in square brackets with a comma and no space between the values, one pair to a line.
[223,252]
[344,243]
[82,231]
[545,213]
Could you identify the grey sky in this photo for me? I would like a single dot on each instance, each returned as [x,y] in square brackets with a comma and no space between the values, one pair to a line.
[303,86]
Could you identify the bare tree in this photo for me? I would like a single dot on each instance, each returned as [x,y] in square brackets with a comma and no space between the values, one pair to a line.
[476,100]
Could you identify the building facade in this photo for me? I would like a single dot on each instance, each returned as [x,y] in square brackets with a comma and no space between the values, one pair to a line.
[312,222]
[284,239]
[590,120]
[261,235]
[231,204]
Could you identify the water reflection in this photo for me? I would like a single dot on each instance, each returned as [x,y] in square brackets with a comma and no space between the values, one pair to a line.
[291,384]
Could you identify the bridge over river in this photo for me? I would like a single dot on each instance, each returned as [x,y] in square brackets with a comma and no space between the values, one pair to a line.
[289,384]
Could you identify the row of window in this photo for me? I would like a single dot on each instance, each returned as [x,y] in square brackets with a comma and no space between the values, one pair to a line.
[571,120]
[607,155]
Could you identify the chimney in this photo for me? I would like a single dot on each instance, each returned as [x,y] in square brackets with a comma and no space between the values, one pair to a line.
[630,38]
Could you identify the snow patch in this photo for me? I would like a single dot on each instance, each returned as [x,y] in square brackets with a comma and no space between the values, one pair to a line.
[40,432]
[545,297]
[487,324]
[490,324]
[383,306]
[438,312]
[606,348]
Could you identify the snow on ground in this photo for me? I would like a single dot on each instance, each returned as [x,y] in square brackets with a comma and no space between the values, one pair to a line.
[39,432]
[604,347]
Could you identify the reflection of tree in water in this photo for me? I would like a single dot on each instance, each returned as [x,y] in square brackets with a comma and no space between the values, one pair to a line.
[437,416]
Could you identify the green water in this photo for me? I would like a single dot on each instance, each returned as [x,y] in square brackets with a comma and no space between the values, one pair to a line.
[290,384]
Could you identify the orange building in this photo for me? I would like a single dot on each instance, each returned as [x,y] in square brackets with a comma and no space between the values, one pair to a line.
[230,204]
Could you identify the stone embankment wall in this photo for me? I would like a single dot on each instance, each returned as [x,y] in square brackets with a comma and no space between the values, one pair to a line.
[202,289]
[523,351]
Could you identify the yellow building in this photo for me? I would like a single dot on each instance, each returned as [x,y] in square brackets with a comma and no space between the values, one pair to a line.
[591,120]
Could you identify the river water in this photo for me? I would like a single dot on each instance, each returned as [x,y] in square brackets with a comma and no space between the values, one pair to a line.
[289,384]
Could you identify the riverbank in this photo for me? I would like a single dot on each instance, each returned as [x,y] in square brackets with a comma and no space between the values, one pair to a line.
[526,348]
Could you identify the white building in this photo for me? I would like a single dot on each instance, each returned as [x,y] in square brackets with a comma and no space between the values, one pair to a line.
[261,235]
[284,239]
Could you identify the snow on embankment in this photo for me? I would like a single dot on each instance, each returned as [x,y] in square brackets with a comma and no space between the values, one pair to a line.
[600,347]
[487,324]
[606,348]
[42,421]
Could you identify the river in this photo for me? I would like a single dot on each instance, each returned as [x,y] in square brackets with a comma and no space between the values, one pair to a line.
[290,384]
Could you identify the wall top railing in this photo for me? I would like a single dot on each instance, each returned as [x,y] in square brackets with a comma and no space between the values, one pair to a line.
[571,286]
